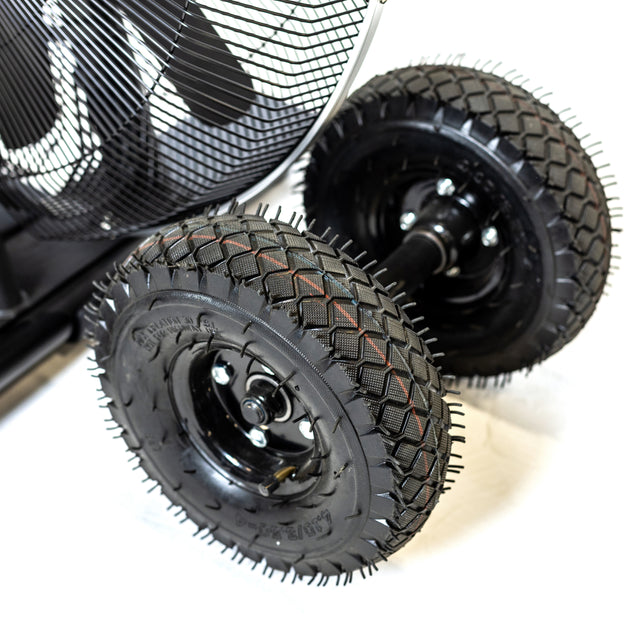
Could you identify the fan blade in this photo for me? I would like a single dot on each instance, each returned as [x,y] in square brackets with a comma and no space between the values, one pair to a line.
[105,67]
[207,76]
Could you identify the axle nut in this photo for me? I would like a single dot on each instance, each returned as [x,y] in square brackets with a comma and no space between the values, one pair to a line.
[254,410]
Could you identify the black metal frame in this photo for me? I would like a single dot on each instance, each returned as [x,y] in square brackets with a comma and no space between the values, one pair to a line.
[44,285]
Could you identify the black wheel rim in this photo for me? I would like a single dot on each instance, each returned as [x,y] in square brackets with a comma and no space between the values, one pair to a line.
[395,167]
[215,422]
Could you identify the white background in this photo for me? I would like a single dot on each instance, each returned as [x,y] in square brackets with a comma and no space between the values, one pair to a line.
[539,537]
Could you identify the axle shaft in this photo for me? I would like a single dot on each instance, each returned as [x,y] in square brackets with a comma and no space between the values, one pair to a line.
[443,230]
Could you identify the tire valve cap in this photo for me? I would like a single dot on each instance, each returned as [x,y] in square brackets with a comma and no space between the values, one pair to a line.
[273,482]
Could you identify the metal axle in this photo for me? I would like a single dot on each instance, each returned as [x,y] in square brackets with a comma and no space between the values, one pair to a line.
[442,232]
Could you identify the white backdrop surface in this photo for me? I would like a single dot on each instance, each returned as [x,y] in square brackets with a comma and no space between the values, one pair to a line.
[539,536]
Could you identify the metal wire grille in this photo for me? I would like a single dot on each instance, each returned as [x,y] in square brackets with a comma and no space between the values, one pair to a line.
[117,116]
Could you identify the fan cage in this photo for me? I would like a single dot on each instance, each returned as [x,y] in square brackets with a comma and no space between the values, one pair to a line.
[119,116]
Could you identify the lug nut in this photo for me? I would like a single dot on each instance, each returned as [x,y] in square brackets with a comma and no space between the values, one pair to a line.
[489,237]
[445,187]
[407,220]
[454,272]
[305,429]
[221,374]
[258,437]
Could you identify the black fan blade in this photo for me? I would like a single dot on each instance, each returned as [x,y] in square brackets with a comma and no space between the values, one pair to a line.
[207,76]
[105,68]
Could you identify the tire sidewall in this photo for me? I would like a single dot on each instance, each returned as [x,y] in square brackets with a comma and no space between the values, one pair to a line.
[316,524]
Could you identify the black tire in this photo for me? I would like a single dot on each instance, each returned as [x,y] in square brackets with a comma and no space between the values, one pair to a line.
[523,169]
[268,298]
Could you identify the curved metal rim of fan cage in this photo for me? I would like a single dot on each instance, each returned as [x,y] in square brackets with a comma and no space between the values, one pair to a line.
[341,92]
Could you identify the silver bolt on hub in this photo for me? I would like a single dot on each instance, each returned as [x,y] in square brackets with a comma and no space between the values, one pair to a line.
[258,437]
[221,374]
[407,220]
[453,272]
[305,429]
[489,237]
[445,187]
